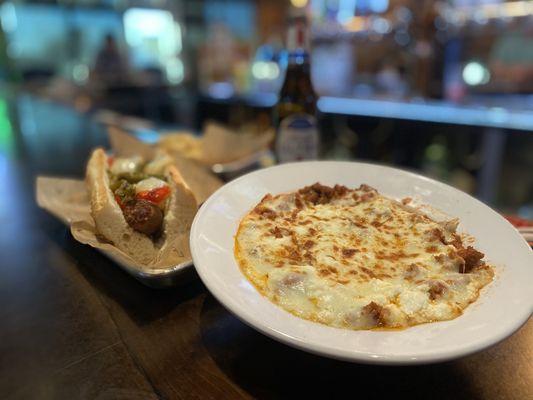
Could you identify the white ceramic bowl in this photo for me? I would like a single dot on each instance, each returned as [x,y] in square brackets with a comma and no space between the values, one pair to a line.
[502,308]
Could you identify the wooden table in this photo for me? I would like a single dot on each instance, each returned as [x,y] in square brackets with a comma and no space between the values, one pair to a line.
[75,326]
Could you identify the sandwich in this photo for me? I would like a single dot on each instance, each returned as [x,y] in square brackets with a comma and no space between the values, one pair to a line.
[142,206]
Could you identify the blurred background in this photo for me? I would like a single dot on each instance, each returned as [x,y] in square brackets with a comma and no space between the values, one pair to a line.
[441,87]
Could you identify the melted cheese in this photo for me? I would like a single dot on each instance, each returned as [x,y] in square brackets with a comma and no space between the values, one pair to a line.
[149,184]
[357,261]
[126,165]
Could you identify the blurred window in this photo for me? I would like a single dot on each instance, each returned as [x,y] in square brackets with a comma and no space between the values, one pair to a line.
[156,41]
[35,32]
[56,38]
[238,15]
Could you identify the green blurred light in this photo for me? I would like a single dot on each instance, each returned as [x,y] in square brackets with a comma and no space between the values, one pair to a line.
[435,152]
[80,73]
[6,131]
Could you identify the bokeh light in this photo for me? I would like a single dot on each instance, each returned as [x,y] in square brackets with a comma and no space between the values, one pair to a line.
[475,73]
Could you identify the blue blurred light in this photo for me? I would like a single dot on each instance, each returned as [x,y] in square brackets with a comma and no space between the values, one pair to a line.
[379,6]
[346,10]
[221,90]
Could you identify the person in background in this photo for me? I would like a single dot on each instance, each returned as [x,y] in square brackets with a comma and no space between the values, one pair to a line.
[511,58]
[110,66]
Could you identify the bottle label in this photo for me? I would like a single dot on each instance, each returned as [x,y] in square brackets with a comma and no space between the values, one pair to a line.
[298,138]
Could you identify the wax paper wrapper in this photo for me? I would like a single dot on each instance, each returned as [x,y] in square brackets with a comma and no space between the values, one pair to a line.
[68,200]
[218,144]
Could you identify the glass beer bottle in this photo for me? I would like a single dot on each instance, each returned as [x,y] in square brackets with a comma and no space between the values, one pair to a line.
[297,135]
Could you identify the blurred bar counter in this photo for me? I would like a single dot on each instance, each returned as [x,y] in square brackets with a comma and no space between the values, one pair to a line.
[432,111]
[480,148]
[423,118]
[481,113]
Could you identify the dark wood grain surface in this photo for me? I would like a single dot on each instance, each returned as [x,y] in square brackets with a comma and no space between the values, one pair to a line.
[74,326]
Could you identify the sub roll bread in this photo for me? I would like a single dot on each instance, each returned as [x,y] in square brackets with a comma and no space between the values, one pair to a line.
[142,206]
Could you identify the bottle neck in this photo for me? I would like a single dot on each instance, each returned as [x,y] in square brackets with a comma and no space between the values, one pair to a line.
[299,57]
[298,43]
[297,85]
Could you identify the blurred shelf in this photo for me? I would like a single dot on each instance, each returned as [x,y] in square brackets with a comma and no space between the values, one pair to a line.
[481,114]
[483,111]
[435,111]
